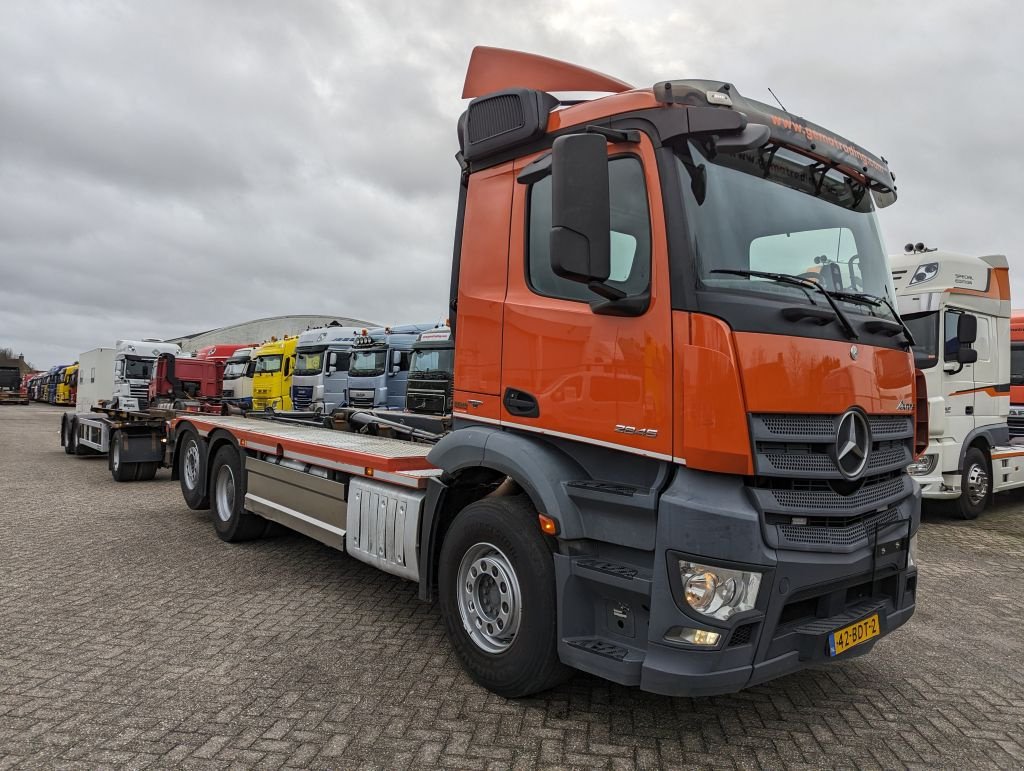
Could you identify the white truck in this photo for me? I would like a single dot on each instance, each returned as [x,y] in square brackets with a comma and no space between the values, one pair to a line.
[238,372]
[134,361]
[958,308]
[107,420]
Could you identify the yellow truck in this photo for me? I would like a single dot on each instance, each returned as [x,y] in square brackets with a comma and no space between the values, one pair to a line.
[67,386]
[272,381]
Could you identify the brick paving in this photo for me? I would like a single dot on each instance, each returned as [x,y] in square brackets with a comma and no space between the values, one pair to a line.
[130,636]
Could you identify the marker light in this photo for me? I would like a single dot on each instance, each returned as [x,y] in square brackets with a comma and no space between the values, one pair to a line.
[547,524]
[718,592]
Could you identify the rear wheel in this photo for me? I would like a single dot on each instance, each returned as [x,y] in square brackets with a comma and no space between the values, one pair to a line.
[68,435]
[192,471]
[497,596]
[230,519]
[146,471]
[119,469]
[975,485]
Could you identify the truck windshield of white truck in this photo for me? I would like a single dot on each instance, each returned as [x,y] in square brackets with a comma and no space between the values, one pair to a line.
[138,369]
[780,212]
[367,363]
[235,369]
[268,363]
[309,361]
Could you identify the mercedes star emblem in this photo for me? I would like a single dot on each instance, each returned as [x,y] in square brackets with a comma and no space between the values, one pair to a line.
[853,444]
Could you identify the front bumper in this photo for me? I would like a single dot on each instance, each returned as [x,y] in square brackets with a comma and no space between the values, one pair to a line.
[804,596]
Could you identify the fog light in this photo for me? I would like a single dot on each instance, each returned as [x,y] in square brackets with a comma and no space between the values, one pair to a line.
[692,636]
[718,592]
[925,465]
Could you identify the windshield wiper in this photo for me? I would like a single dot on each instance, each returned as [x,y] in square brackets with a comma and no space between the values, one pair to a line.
[787,278]
[875,300]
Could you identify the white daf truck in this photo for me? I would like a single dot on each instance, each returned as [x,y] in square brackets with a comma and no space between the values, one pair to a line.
[958,308]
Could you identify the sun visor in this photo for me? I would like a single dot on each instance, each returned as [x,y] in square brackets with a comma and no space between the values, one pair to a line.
[787,129]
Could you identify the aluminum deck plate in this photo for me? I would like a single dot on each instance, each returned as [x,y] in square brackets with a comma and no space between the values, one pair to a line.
[313,444]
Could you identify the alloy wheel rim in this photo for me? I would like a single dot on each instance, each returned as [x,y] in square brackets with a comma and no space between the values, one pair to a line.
[977,483]
[489,598]
[225,493]
[192,465]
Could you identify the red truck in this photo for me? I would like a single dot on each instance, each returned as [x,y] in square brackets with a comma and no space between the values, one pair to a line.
[683,403]
[222,351]
[184,383]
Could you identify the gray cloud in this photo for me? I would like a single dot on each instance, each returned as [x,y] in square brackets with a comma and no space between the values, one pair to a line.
[171,167]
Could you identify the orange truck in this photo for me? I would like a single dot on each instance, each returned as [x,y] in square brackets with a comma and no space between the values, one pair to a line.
[1015,421]
[683,402]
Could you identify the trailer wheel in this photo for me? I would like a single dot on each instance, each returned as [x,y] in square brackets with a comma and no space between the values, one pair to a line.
[230,519]
[146,471]
[192,471]
[497,596]
[67,430]
[975,485]
[121,471]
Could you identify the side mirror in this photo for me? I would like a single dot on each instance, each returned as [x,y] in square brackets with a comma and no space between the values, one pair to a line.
[331,369]
[396,357]
[1016,379]
[394,369]
[580,210]
[967,329]
[967,355]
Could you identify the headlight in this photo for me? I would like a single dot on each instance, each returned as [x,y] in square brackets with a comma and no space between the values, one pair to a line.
[1016,412]
[924,466]
[912,552]
[718,592]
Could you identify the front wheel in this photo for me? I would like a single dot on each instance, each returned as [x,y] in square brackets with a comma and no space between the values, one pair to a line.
[497,597]
[230,519]
[975,485]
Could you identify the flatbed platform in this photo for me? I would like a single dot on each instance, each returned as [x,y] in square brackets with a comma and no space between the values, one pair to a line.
[357,453]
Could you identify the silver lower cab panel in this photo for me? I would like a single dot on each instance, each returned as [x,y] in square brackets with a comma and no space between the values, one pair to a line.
[384,525]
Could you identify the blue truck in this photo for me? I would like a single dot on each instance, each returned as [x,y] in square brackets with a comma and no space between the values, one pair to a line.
[320,378]
[378,370]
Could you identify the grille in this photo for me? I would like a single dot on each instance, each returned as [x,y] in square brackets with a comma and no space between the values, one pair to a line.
[742,635]
[302,396]
[839,532]
[140,392]
[891,426]
[495,116]
[816,459]
[810,425]
[821,496]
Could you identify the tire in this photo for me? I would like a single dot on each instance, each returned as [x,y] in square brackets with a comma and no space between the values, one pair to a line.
[975,485]
[192,465]
[495,553]
[146,471]
[120,471]
[67,438]
[227,492]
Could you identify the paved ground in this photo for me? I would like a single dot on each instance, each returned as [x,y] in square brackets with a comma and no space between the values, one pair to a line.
[131,636]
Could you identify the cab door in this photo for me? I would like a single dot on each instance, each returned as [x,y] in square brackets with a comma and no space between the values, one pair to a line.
[568,371]
[960,385]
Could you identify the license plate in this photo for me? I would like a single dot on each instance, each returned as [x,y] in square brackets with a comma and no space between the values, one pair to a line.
[854,634]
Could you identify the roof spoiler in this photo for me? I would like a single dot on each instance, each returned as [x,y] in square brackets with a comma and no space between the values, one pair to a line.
[497,69]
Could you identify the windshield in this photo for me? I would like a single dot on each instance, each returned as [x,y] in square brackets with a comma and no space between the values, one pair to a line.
[138,369]
[367,363]
[235,369]
[811,222]
[310,361]
[268,363]
[924,327]
[1017,363]
[432,360]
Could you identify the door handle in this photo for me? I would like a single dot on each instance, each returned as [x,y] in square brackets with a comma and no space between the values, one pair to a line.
[969,410]
[520,403]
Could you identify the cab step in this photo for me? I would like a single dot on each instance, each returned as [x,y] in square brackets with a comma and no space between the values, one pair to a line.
[613,660]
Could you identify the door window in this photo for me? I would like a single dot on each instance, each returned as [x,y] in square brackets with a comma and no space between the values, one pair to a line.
[630,236]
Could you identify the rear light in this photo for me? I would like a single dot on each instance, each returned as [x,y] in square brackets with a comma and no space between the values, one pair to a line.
[920,414]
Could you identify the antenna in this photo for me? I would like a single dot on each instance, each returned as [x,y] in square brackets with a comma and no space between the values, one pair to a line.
[777,99]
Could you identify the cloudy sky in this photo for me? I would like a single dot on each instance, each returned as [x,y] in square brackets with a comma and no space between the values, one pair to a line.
[168,167]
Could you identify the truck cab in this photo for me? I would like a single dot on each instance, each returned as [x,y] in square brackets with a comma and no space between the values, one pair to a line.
[1015,421]
[68,385]
[134,363]
[272,376]
[320,381]
[958,308]
[238,375]
[52,379]
[378,370]
[429,388]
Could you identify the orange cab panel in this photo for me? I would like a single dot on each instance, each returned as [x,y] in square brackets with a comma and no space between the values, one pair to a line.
[712,432]
[482,280]
[803,375]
